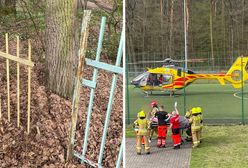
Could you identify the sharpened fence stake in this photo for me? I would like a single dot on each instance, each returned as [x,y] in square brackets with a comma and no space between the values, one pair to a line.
[7,69]
[29,85]
[18,81]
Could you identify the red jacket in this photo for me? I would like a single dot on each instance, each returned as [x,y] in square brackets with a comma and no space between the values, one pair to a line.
[175,121]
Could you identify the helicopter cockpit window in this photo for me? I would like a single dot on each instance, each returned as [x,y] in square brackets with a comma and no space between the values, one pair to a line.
[141,79]
[153,80]
[159,79]
[190,72]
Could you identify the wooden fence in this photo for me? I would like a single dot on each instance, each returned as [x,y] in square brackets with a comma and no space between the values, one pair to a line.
[18,60]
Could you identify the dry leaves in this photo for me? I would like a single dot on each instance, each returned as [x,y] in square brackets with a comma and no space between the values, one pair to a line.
[51,117]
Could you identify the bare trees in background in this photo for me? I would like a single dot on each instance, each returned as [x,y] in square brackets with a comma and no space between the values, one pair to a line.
[217,29]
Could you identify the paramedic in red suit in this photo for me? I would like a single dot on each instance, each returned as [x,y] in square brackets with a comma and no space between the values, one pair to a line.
[175,129]
[162,128]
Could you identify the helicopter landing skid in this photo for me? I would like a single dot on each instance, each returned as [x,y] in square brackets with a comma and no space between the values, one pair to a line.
[168,93]
[147,93]
[172,93]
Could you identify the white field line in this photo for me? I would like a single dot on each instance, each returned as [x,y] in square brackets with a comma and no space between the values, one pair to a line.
[236,95]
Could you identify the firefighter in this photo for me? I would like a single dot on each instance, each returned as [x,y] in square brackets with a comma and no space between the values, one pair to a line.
[162,127]
[136,129]
[188,130]
[199,111]
[142,125]
[195,121]
[175,129]
[155,109]
[153,118]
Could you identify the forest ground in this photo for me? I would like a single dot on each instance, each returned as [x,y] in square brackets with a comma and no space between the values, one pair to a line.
[50,114]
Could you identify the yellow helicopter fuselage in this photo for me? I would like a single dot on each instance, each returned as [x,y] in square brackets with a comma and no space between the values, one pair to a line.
[173,78]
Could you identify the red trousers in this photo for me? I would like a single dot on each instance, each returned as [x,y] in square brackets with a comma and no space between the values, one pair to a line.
[176,139]
[162,131]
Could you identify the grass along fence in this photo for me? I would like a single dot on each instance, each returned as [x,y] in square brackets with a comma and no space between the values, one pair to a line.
[22,61]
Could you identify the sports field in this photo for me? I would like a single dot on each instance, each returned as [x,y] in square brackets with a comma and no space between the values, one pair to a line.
[220,104]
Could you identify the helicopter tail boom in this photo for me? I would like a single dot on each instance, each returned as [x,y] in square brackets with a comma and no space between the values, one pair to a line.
[238,70]
[234,74]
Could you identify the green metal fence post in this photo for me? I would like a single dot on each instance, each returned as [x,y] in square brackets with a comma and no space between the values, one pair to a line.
[127,93]
[184,91]
[242,91]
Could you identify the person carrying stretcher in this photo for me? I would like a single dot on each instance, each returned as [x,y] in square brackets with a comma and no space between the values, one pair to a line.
[162,117]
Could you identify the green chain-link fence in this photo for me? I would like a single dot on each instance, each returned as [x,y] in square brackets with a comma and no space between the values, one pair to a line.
[221,104]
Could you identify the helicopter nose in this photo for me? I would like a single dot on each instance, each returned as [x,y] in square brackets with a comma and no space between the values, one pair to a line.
[135,83]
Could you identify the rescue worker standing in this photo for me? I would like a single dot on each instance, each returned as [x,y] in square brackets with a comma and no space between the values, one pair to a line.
[175,129]
[195,121]
[162,127]
[155,109]
[199,111]
[188,130]
[142,125]
[153,118]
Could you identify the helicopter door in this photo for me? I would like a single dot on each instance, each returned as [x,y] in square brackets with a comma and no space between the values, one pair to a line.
[167,79]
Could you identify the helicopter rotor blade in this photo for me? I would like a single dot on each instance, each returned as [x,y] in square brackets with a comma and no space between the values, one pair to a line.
[170,61]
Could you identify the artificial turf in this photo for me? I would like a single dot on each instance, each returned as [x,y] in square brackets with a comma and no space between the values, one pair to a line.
[218,102]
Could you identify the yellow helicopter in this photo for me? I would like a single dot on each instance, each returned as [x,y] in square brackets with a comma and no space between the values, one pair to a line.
[172,78]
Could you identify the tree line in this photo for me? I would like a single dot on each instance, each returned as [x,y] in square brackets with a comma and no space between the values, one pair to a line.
[217,29]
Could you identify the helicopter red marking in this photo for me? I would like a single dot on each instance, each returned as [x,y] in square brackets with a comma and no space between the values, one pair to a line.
[181,79]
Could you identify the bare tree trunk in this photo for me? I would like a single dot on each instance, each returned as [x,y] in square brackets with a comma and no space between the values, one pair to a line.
[171,28]
[211,31]
[224,31]
[161,26]
[61,45]
[242,22]
[144,31]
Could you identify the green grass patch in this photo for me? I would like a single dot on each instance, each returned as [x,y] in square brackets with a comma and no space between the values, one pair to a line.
[222,147]
[130,132]
[217,102]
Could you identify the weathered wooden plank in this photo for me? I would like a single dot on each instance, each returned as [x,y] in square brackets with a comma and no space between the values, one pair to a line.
[16,59]
[76,95]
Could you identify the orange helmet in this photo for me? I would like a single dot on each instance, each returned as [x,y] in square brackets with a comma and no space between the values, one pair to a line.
[153,103]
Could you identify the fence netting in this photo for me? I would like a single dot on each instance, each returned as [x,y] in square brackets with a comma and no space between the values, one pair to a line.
[221,104]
